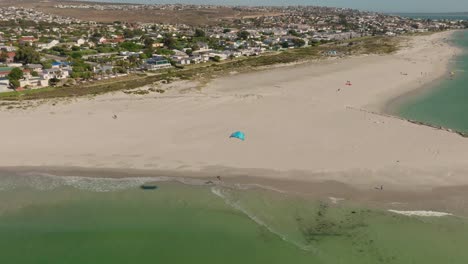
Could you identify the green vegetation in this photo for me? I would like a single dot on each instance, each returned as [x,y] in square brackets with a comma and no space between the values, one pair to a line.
[27,54]
[130,46]
[14,76]
[369,45]
[199,33]
[3,57]
[243,34]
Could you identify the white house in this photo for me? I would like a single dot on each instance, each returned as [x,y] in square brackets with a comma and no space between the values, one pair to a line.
[222,56]
[80,42]
[49,45]
[102,69]
[34,67]
[8,48]
[4,85]
[34,82]
[52,73]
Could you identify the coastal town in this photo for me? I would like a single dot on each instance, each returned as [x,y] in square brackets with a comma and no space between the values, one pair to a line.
[40,50]
[209,133]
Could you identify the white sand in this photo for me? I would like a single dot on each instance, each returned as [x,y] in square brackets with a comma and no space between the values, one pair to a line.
[294,119]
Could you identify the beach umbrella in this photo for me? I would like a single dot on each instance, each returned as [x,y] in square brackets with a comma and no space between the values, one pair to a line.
[238,134]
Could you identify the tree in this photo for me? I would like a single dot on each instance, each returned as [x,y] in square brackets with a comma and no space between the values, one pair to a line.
[128,33]
[343,21]
[194,47]
[169,42]
[15,74]
[27,55]
[293,32]
[243,34]
[298,42]
[46,64]
[3,56]
[199,33]
[76,55]
[162,51]
[14,83]
[130,46]
[34,73]
[465,23]
[226,30]
[95,37]
[53,81]
[216,58]
[148,42]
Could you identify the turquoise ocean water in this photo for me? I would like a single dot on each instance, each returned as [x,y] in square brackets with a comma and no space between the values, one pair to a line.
[435,16]
[74,220]
[446,104]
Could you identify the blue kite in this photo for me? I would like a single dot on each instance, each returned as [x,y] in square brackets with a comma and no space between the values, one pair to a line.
[239,135]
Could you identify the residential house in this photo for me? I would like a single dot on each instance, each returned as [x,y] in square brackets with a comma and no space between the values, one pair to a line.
[33,82]
[102,40]
[10,56]
[102,69]
[222,56]
[27,39]
[7,48]
[34,67]
[114,40]
[42,46]
[4,85]
[4,71]
[80,42]
[156,62]
[57,73]
[60,64]
[180,57]
[195,59]
[158,45]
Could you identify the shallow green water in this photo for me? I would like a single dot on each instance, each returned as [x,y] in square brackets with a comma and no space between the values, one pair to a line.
[447,104]
[52,220]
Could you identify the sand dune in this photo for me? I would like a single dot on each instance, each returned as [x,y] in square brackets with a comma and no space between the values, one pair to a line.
[300,118]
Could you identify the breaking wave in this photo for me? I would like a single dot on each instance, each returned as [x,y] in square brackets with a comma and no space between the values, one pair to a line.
[47,182]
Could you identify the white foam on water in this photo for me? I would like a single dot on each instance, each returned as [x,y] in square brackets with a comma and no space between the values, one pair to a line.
[47,182]
[421,213]
[218,191]
[249,186]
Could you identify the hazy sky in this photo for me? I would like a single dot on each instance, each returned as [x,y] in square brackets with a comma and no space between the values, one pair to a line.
[374,5]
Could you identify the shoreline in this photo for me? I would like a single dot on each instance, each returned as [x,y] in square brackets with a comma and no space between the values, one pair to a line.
[330,191]
[299,121]
[392,106]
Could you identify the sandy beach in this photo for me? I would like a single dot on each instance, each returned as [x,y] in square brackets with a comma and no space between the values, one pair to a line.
[301,122]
